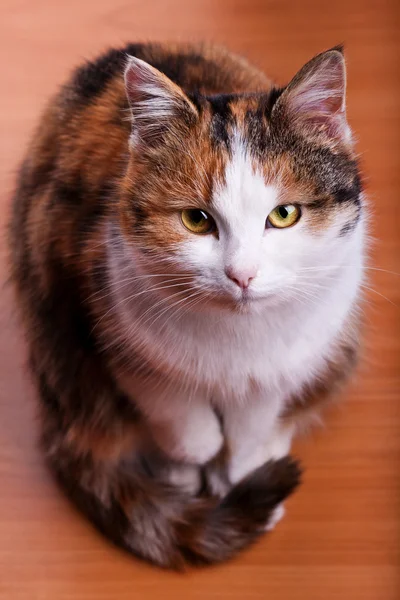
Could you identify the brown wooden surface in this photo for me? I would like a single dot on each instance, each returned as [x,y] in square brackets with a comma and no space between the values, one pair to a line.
[341,537]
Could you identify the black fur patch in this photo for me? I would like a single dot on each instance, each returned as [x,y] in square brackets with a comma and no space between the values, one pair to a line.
[90,80]
[317,204]
[268,101]
[197,100]
[64,305]
[93,211]
[47,394]
[349,194]
[221,118]
[179,68]
[351,225]
[219,134]
[257,123]
[68,193]
[220,105]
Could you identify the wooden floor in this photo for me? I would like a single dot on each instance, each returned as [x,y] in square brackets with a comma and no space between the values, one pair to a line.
[341,537]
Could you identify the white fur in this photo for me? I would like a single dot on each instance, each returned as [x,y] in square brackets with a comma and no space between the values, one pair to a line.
[185,477]
[277,514]
[183,425]
[247,362]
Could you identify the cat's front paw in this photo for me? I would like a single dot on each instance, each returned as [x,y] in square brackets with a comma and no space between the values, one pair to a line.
[274,448]
[216,478]
[200,446]
[241,466]
[195,443]
[185,477]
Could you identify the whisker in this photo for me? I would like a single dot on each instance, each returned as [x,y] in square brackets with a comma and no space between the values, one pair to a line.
[363,268]
[120,284]
[178,302]
[378,294]
[132,297]
[141,322]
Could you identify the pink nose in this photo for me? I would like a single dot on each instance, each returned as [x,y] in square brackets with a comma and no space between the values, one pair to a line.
[242,277]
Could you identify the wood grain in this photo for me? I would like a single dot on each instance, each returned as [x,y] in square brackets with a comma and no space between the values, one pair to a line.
[341,537]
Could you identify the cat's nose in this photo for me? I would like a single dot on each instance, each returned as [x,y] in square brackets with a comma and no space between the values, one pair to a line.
[242,277]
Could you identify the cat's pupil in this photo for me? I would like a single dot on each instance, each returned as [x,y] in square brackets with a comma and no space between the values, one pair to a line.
[283,212]
[198,216]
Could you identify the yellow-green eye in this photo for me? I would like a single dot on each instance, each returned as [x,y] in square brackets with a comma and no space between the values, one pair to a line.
[284,216]
[198,221]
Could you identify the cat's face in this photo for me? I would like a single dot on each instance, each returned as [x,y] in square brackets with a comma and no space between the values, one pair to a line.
[243,200]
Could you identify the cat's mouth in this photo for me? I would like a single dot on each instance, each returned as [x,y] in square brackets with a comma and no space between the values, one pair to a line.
[249,300]
[243,302]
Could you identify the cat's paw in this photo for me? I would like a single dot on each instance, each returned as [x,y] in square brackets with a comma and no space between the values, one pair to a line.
[276,447]
[241,466]
[200,446]
[216,478]
[195,444]
[185,477]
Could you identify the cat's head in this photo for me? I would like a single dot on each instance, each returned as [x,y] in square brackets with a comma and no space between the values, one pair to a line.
[243,199]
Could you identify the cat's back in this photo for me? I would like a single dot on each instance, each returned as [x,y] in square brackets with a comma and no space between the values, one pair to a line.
[203,68]
[96,88]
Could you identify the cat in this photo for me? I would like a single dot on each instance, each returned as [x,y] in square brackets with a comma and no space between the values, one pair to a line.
[181,237]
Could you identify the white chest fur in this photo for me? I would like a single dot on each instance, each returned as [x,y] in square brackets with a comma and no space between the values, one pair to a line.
[278,350]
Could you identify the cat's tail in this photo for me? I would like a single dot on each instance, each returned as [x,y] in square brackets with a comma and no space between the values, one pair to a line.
[170,528]
[216,532]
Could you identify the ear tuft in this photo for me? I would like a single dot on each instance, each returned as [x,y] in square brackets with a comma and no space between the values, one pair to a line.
[314,102]
[337,48]
[155,101]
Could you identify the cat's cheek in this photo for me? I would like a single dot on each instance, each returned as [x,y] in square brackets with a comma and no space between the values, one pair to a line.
[201,254]
[166,233]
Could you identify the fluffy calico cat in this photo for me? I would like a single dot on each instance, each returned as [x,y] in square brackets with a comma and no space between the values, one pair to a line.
[180,237]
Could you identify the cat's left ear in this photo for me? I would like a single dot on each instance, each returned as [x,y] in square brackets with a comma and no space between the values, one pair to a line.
[314,102]
[156,102]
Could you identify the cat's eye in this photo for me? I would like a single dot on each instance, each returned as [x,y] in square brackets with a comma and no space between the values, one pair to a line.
[198,221]
[283,216]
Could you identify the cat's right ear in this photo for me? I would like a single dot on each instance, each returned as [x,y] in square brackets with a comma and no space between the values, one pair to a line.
[157,103]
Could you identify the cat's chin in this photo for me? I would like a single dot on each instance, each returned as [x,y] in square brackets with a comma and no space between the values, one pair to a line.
[246,303]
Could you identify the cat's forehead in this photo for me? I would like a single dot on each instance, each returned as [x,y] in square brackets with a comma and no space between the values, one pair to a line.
[250,149]
[234,151]
[250,169]
[247,114]
[259,170]
[245,186]
[234,159]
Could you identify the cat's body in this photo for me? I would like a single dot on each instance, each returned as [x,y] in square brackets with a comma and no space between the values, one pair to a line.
[157,350]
